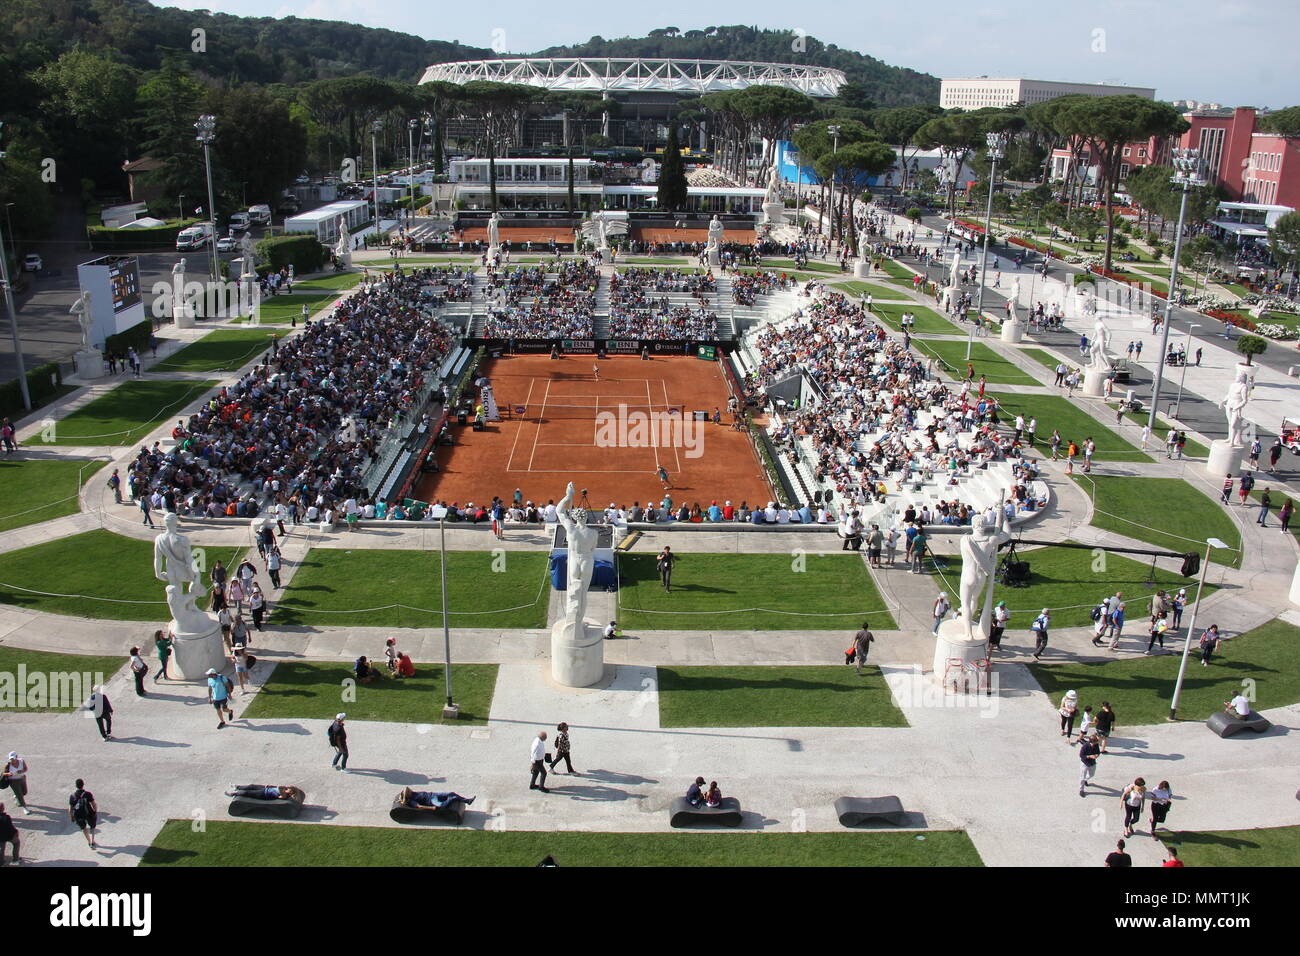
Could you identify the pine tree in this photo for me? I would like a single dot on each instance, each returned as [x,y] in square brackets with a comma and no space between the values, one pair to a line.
[672,176]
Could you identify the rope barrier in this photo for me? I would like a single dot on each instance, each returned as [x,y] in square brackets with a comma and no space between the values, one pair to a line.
[156,417]
[1197,541]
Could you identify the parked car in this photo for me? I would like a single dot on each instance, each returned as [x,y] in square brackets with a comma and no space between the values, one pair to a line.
[32,263]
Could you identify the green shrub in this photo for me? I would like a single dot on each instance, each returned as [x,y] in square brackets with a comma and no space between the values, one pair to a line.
[304,252]
[137,337]
[160,237]
[43,382]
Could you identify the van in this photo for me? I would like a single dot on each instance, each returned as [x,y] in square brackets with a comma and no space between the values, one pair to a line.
[260,214]
[194,237]
[240,221]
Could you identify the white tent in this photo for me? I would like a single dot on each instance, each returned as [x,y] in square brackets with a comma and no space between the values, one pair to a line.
[147,222]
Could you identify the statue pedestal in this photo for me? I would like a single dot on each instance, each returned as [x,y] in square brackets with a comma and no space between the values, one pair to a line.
[1094,381]
[774,213]
[90,363]
[577,653]
[714,259]
[951,644]
[197,649]
[492,252]
[1012,331]
[1224,459]
[183,316]
[861,269]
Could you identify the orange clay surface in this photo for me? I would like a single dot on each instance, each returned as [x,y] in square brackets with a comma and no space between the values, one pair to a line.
[556,439]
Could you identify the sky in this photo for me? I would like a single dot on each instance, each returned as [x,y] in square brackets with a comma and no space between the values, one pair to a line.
[1229,52]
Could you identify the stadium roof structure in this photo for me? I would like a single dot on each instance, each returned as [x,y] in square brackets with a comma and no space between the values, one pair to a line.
[640,74]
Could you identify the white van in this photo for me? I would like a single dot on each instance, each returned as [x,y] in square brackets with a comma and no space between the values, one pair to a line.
[260,214]
[194,237]
[240,221]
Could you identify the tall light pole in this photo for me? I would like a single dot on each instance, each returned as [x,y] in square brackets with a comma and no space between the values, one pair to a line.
[13,238]
[1191,626]
[997,144]
[834,132]
[1187,174]
[207,127]
[450,710]
[410,175]
[1179,402]
[13,316]
[375,127]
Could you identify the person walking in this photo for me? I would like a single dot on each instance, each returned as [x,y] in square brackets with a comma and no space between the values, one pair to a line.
[257,605]
[163,641]
[84,812]
[15,776]
[99,705]
[875,539]
[891,545]
[1116,625]
[1105,724]
[1161,799]
[115,483]
[664,564]
[1274,453]
[940,609]
[1158,628]
[918,551]
[1256,447]
[662,472]
[562,750]
[1071,453]
[1133,798]
[144,508]
[1177,606]
[1118,858]
[1226,496]
[219,695]
[1209,643]
[537,753]
[1089,751]
[1285,513]
[9,834]
[861,645]
[240,659]
[1056,444]
[1039,627]
[1265,502]
[1246,487]
[337,735]
[1068,710]
[273,563]
[1001,616]
[139,670]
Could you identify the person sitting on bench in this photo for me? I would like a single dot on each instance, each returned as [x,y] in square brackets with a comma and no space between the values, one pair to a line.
[259,791]
[1239,706]
[714,797]
[695,793]
[431,800]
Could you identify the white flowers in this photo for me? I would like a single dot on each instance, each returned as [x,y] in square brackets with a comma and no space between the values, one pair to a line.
[1274,331]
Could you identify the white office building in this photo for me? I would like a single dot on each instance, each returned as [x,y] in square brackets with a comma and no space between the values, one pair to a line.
[973,93]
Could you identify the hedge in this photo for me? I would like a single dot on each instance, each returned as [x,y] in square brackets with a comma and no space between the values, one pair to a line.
[304,252]
[137,337]
[39,387]
[160,237]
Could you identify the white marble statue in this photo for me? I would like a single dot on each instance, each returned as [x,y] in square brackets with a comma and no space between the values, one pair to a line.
[602,232]
[173,562]
[773,186]
[1234,407]
[979,556]
[715,234]
[494,230]
[582,546]
[1015,292]
[954,274]
[249,253]
[1089,302]
[864,247]
[1097,348]
[81,309]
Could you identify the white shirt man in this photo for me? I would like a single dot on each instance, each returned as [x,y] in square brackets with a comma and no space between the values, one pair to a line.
[549,514]
[1241,705]
[770,512]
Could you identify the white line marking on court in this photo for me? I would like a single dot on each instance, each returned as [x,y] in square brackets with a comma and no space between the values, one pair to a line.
[540,415]
[510,460]
[654,432]
[682,415]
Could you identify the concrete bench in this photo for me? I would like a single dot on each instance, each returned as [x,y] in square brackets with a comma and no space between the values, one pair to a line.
[289,806]
[682,814]
[855,811]
[1225,724]
[453,812]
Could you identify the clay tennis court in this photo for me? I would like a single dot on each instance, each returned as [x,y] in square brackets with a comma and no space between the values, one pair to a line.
[609,436]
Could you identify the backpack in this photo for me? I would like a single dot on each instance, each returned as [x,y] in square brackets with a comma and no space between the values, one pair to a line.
[230,684]
[1096,614]
[81,804]
[332,734]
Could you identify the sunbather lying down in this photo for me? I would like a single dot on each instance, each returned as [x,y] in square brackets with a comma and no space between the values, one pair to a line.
[260,791]
[430,800]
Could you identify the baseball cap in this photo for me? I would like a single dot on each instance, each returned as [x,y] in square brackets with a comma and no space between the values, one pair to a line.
[210,672]
[340,716]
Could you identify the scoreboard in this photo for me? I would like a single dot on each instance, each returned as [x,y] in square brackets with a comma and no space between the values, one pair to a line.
[124,283]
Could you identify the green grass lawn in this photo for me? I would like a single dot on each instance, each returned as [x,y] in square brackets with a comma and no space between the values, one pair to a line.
[1193,448]
[1065,581]
[51,683]
[811,266]
[1056,412]
[1141,688]
[928,322]
[223,350]
[104,575]
[1043,358]
[996,369]
[1165,512]
[336,282]
[229,843]
[280,309]
[761,592]
[859,289]
[37,490]
[314,690]
[897,270]
[826,696]
[124,415]
[1268,846]
[483,589]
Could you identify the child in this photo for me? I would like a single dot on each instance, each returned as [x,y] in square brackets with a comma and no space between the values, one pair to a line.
[1085,727]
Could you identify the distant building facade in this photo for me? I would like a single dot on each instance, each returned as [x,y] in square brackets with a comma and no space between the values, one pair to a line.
[978,92]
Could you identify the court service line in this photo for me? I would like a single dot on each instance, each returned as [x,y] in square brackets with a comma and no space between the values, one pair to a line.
[527,401]
[538,433]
